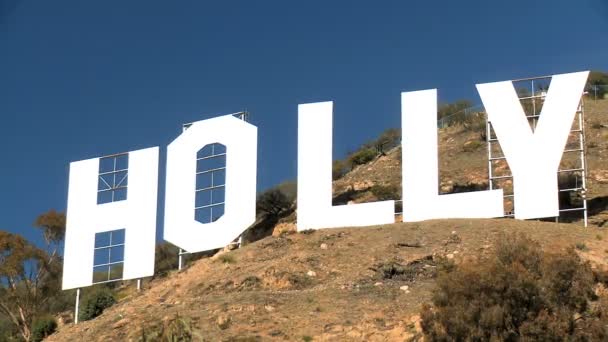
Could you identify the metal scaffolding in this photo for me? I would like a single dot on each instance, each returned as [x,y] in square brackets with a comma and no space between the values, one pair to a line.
[532,96]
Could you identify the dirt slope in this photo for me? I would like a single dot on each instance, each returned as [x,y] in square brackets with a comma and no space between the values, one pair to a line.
[335,284]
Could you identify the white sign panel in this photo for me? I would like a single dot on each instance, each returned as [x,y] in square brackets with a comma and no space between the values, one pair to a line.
[239,139]
[116,238]
[421,200]
[210,191]
[315,209]
[534,157]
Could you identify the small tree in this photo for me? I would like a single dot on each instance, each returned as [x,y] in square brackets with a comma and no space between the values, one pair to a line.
[30,276]
[27,281]
[52,225]
[272,202]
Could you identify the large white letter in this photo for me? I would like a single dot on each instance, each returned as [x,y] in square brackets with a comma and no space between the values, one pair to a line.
[117,238]
[421,200]
[315,208]
[534,157]
[226,189]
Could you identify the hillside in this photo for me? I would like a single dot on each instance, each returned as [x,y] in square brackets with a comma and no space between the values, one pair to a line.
[348,283]
[338,284]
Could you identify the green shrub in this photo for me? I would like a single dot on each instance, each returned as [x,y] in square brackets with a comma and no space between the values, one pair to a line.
[517,293]
[272,202]
[362,156]
[339,169]
[596,84]
[176,329]
[43,327]
[449,110]
[227,258]
[95,302]
[388,140]
[165,259]
[476,122]
[8,331]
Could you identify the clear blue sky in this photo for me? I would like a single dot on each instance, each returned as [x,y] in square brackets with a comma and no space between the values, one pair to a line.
[80,79]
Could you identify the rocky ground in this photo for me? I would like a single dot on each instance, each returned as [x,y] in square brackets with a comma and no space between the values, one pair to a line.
[335,284]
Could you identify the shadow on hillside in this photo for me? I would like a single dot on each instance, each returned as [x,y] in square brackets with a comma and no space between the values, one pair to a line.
[597,205]
[469,187]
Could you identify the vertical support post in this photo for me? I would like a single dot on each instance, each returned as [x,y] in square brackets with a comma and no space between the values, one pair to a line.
[489,141]
[179,259]
[533,106]
[581,128]
[138,284]
[76,306]
[595,93]
[181,251]
[585,209]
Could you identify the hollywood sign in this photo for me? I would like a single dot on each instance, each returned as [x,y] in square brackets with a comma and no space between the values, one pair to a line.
[116,240]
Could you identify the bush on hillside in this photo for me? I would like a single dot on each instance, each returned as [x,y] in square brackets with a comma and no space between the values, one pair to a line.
[176,329]
[165,259]
[446,110]
[388,140]
[43,327]
[518,293]
[289,189]
[597,84]
[95,302]
[362,156]
[476,122]
[272,202]
[339,169]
